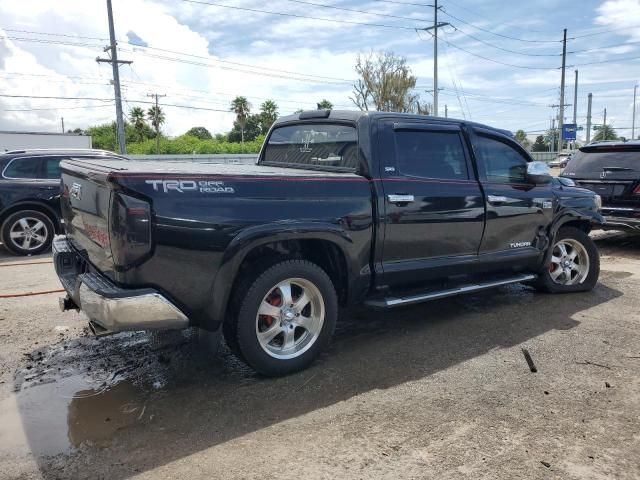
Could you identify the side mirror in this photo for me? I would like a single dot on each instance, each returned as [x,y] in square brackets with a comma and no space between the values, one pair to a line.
[538,173]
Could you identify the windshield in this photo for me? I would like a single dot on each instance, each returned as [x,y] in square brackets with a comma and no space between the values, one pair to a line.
[596,162]
[317,146]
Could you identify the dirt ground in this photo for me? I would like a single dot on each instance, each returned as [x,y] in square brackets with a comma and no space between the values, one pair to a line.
[441,390]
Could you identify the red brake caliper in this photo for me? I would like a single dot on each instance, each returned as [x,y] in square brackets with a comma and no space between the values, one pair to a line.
[273,299]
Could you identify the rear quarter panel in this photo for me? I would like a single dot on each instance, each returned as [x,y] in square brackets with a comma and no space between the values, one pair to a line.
[201,235]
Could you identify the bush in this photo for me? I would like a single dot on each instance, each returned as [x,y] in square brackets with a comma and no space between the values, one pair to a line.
[186,144]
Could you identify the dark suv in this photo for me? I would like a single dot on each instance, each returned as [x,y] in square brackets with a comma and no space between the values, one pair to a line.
[612,170]
[30,196]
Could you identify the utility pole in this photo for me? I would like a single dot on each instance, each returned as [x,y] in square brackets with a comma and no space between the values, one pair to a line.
[633,120]
[115,63]
[446,111]
[155,95]
[590,97]
[435,27]
[575,100]
[604,123]
[561,115]
[62,121]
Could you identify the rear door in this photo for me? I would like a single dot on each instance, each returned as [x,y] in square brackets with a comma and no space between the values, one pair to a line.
[433,206]
[24,179]
[517,211]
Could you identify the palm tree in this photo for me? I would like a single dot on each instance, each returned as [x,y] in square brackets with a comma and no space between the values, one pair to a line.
[268,115]
[136,117]
[606,132]
[241,107]
[325,104]
[157,118]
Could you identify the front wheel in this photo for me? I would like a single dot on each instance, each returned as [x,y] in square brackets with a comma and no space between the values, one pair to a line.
[574,266]
[284,317]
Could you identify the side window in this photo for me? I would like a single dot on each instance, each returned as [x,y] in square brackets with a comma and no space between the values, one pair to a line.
[502,163]
[52,168]
[430,154]
[27,167]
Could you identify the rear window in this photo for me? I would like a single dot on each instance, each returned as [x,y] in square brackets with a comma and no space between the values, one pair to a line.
[27,167]
[589,162]
[316,146]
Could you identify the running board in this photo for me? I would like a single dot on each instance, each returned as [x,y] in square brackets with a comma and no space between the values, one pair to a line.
[390,302]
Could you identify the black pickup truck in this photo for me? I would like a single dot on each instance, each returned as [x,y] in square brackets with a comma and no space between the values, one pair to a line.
[342,207]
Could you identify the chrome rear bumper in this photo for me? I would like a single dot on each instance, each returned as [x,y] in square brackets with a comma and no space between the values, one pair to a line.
[112,308]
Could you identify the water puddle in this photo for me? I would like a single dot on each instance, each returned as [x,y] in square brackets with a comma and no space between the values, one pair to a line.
[55,417]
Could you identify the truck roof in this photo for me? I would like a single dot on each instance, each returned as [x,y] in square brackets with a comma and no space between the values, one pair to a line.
[356,115]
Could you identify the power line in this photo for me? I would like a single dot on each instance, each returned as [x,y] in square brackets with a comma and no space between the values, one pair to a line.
[322,5]
[102,39]
[605,61]
[498,34]
[604,47]
[53,97]
[282,14]
[526,67]
[238,63]
[506,49]
[54,108]
[611,30]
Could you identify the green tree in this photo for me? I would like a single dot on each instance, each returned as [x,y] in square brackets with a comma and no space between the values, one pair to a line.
[539,145]
[268,115]
[606,132]
[521,137]
[386,84]
[136,117]
[200,133]
[325,104]
[156,117]
[252,128]
[242,108]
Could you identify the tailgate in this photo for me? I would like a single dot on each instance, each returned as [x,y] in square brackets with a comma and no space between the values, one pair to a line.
[85,207]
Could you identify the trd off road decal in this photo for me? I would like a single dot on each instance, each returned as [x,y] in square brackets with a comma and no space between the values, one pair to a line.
[182,186]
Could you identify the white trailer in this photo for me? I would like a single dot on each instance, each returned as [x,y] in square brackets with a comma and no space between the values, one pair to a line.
[30,140]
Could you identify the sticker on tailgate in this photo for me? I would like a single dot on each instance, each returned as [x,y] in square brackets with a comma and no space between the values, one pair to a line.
[182,186]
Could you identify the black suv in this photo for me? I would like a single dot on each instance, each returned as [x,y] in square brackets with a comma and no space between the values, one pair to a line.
[612,170]
[30,196]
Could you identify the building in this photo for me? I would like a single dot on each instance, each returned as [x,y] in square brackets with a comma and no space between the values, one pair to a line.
[28,140]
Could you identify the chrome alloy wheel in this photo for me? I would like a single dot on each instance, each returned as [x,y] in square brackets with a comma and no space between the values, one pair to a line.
[569,262]
[28,233]
[290,318]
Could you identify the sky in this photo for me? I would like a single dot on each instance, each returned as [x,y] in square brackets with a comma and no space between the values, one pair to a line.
[499,61]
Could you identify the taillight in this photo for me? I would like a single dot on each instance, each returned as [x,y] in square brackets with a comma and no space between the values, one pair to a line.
[636,191]
[130,229]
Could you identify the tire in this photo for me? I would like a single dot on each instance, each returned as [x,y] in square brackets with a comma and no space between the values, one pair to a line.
[293,337]
[575,276]
[39,237]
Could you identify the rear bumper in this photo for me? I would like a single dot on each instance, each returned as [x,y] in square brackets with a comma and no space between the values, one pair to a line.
[619,218]
[112,308]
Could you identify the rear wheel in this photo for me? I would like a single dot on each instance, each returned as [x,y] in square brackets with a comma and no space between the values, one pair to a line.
[27,232]
[285,317]
[575,263]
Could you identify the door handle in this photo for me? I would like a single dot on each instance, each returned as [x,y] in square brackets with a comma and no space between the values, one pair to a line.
[497,198]
[397,198]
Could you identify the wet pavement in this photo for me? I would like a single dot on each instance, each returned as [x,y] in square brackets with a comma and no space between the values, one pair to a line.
[430,390]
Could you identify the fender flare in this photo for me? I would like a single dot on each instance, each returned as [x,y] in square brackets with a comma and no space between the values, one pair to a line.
[566,216]
[253,237]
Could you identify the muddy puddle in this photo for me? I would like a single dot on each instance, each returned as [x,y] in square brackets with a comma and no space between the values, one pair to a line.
[82,392]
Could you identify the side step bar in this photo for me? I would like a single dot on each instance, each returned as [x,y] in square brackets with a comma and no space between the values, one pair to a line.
[390,302]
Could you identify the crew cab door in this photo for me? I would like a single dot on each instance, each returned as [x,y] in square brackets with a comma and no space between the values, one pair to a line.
[518,212]
[433,214]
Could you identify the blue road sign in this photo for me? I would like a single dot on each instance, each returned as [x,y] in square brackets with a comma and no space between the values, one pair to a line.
[569,131]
